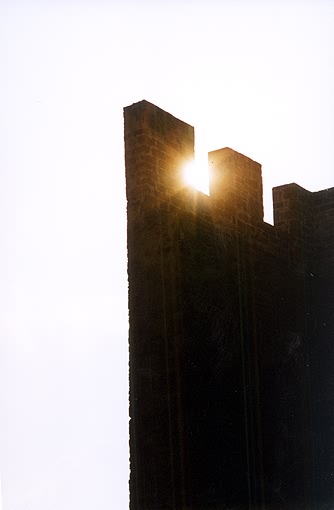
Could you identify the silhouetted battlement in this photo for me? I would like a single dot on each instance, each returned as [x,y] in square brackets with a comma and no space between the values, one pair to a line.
[236,183]
[231,330]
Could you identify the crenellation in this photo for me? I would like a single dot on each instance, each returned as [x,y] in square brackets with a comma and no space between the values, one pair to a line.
[227,337]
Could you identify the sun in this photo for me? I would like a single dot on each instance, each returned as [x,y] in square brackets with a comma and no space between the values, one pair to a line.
[196,176]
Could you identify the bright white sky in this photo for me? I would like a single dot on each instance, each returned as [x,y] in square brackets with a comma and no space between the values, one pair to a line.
[257,77]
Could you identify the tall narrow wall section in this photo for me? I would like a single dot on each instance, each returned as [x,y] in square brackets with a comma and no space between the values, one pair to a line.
[231,331]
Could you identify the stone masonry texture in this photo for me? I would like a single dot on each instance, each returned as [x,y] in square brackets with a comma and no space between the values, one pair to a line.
[231,331]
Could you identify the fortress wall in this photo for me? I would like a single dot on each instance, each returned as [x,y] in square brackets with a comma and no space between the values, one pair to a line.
[220,337]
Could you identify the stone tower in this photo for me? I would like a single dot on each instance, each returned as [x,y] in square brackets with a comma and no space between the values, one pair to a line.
[231,330]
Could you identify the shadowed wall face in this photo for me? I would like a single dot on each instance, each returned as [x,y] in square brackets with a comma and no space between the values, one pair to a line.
[224,319]
[307,219]
[157,146]
[236,184]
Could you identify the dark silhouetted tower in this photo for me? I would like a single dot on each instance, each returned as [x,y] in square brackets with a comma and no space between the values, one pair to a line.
[231,331]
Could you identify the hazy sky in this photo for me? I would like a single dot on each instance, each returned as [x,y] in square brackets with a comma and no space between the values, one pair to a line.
[257,77]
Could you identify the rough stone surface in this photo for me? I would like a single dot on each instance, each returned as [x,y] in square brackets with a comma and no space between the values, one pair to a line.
[231,331]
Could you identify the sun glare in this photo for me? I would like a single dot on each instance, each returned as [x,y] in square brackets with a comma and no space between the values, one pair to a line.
[196,176]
